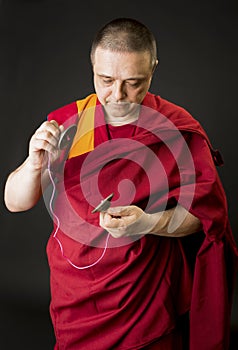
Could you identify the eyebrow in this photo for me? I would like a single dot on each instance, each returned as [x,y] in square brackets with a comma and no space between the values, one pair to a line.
[131,78]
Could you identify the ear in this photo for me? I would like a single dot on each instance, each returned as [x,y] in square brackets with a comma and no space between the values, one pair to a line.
[155,65]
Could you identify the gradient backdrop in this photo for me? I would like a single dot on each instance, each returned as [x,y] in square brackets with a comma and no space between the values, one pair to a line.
[44,64]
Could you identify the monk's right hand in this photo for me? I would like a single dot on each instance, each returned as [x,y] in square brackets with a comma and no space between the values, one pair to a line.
[45,139]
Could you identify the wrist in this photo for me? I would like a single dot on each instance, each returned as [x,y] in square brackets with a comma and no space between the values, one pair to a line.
[32,167]
[161,221]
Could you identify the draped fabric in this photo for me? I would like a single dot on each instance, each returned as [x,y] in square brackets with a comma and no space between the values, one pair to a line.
[136,294]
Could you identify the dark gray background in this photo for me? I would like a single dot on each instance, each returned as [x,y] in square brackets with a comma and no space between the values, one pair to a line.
[44,64]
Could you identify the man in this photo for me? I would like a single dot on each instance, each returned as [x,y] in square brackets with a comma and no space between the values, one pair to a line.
[160,263]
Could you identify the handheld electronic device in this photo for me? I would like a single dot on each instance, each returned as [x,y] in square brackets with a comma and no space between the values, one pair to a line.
[67,136]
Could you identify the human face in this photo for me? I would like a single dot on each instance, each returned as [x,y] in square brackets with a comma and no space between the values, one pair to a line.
[121,80]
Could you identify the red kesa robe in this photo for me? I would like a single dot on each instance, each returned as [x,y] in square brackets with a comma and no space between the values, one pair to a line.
[138,290]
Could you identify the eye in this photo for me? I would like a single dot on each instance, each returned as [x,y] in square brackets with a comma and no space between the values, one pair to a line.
[135,83]
[107,81]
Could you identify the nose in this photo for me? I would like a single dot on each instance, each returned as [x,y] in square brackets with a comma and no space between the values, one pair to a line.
[119,91]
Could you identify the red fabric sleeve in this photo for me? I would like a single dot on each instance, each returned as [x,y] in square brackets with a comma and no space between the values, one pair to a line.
[216,261]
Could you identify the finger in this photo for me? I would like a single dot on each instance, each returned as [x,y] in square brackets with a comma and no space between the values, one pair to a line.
[48,131]
[46,139]
[117,223]
[60,127]
[126,211]
[107,221]
[110,221]
[51,127]
[54,122]
[116,233]
[39,144]
[104,219]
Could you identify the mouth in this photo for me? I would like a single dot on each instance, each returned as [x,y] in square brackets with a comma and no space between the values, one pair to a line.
[124,105]
[121,104]
[119,107]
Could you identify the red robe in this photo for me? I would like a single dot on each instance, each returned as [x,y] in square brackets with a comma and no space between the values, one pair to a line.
[137,292]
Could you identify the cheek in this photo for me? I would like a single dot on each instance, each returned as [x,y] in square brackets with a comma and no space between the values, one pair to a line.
[140,94]
[102,92]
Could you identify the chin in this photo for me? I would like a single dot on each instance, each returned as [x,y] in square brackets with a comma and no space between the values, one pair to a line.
[118,109]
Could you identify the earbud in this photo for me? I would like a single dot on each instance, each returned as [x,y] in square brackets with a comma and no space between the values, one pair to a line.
[104,205]
[67,136]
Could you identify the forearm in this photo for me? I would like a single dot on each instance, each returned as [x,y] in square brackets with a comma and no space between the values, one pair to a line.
[176,222]
[132,220]
[23,188]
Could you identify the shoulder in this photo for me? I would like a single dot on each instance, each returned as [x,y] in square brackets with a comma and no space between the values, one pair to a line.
[181,117]
[70,111]
[183,121]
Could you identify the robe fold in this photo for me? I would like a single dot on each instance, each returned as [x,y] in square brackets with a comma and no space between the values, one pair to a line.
[141,287]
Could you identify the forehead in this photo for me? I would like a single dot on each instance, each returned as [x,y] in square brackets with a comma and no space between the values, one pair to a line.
[121,64]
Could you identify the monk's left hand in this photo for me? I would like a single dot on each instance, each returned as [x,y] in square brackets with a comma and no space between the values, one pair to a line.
[127,221]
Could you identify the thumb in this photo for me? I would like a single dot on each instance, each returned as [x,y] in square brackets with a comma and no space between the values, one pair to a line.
[119,211]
